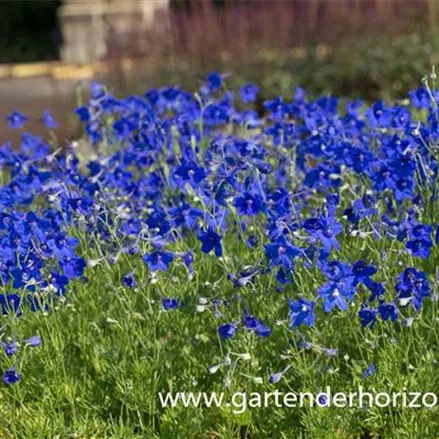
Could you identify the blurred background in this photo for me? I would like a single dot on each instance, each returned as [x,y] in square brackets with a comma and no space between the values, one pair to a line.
[353,48]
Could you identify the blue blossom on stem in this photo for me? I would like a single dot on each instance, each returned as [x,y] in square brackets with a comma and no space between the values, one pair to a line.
[210,240]
[302,311]
[16,120]
[158,260]
[227,330]
[249,93]
[11,376]
[170,304]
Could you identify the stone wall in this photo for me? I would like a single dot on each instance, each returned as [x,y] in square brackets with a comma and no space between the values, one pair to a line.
[87,26]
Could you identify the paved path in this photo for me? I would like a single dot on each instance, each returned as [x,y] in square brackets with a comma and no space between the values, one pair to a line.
[32,96]
[35,87]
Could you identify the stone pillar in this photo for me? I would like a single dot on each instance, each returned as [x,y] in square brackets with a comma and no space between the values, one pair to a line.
[86,25]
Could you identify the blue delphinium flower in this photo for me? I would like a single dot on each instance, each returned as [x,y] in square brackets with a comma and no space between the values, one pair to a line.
[248,204]
[158,260]
[388,311]
[169,304]
[11,376]
[10,303]
[49,121]
[210,240]
[83,113]
[376,288]
[362,272]
[227,330]
[276,107]
[325,229]
[370,370]
[412,287]
[129,280]
[10,348]
[420,241]
[285,276]
[16,120]
[276,377]
[302,311]
[368,317]
[33,341]
[337,294]
[185,215]
[335,270]
[188,259]
[253,324]
[242,278]
[281,252]
[190,172]
[421,98]
[248,93]
[361,208]
[73,267]
[214,81]
[379,115]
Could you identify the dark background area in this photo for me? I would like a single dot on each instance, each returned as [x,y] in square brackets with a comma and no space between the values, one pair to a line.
[29,31]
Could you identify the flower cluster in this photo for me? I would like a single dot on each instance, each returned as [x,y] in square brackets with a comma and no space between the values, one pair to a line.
[178,177]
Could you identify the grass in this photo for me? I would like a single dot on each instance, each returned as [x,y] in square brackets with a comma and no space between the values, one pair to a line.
[107,352]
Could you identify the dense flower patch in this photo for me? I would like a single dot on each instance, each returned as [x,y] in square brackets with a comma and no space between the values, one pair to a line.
[179,177]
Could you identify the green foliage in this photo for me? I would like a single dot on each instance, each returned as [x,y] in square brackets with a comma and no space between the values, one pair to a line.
[369,67]
[107,353]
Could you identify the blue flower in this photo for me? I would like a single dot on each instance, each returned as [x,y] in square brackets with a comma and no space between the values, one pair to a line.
[248,204]
[362,272]
[10,303]
[11,376]
[33,341]
[275,377]
[249,93]
[377,289]
[371,369]
[214,81]
[210,240]
[243,278]
[16,120]
[49,121]
[129,280]
[158,260]
[227,330]
[83,113]
[335,270]
[170,304]
[379,115]
[368,317]
[412,287]
[325,229]
[421,98]
[10,348]
[190,172]
[73,267]
[388,311]
[281,253]
[253,324]
[301,311]
[337,294]
[420,241]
